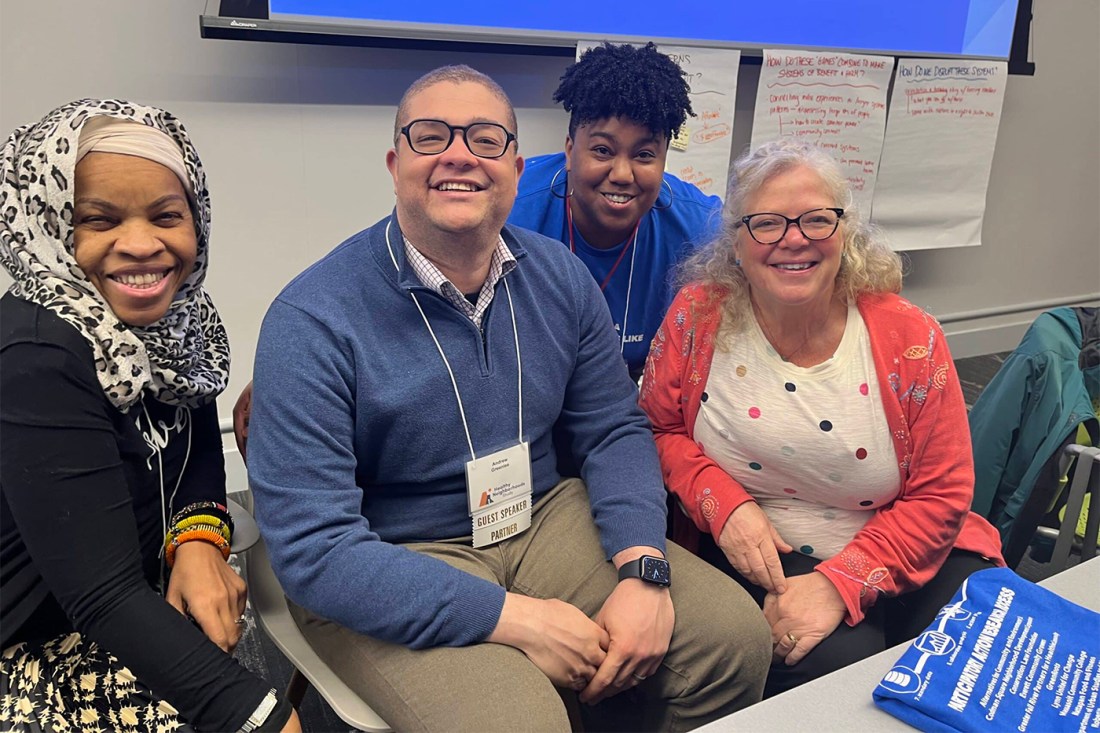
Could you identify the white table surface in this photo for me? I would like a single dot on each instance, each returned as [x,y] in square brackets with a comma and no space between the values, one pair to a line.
[841,701]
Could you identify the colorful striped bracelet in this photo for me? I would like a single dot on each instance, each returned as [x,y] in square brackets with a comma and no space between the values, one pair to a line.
[202,532]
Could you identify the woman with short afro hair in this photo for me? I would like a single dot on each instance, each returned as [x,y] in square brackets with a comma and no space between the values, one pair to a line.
[607,196]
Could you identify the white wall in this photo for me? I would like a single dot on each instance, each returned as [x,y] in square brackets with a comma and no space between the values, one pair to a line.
[293,138]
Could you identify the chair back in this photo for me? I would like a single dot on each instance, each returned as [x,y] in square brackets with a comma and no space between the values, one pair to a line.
[269,604]
[1026,417]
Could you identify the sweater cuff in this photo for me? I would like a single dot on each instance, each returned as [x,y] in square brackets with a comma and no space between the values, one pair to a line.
[857,595]
[717,500]
[633,530]
[474,613]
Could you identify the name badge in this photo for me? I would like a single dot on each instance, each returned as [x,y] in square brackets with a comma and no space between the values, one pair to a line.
[501,521]
[498,489]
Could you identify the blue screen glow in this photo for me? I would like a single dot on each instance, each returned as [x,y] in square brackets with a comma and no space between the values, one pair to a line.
[932,27]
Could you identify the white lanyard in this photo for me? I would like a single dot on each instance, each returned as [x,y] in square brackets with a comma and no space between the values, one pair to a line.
[439,347]
[626,308]
[632,243]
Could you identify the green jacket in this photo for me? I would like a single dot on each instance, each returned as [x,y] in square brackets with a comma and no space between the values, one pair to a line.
[1025,416]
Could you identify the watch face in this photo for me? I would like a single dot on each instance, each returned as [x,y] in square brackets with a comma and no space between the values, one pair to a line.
[656,570]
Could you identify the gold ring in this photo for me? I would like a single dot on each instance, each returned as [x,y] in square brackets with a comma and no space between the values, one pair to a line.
[792,638]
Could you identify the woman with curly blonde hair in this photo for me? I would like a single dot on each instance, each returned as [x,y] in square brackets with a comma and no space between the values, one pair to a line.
[867,264]
[811,423]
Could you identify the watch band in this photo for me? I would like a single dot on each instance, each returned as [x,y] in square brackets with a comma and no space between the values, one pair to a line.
[649,569]
[260,714]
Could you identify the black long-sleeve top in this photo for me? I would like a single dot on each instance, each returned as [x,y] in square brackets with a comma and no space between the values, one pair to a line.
[82,517]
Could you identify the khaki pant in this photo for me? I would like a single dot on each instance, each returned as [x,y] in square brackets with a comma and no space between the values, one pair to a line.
[716,663]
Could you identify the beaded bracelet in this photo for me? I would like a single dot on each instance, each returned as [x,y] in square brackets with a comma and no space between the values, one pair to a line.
[205,521]
[201,532]
[175,534]
[210,519]
[204,507]
[206,534]
[207,510]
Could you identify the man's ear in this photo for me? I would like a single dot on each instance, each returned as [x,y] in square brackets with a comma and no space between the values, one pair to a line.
[391,165]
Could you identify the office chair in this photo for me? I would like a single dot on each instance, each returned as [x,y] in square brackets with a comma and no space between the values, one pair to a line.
[1026,426]
[245,530]
[1084,480]
[269,605]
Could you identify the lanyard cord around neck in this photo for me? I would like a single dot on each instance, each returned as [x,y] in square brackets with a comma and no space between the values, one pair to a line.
[632,244]
[450,372]
[167,505]
[629,244]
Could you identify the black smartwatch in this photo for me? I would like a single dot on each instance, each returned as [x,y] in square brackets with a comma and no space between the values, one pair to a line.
[651,569]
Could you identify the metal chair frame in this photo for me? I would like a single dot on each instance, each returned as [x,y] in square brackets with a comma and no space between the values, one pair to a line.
[1085,479]
[269,604]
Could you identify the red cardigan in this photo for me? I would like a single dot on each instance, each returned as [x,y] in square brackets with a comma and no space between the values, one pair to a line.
[903,546]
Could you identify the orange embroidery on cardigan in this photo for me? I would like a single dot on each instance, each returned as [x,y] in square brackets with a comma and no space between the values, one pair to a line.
[915,352]
[939,377]
[856,563]
[709,506]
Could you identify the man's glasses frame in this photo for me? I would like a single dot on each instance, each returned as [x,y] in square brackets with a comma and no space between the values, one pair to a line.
[509,137]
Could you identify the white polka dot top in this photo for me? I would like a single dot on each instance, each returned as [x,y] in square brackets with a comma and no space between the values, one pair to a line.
[811,445]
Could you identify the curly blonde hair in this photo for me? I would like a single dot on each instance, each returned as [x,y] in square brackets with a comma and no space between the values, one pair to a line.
[868,264]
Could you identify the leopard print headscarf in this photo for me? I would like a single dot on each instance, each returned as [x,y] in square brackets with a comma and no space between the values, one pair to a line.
[182,359]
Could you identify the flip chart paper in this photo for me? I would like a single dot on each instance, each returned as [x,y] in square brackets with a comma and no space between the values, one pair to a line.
[932,182]
[835,100]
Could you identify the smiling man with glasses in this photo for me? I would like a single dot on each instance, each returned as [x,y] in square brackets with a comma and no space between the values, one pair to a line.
[414,390]
[483,139]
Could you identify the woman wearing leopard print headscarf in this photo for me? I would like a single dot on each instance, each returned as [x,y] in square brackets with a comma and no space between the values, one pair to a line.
[114,533]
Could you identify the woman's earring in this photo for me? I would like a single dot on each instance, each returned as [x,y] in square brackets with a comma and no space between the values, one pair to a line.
[671,196]
[554,182]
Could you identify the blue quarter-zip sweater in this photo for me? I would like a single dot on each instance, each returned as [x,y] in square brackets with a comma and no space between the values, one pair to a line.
[356,442]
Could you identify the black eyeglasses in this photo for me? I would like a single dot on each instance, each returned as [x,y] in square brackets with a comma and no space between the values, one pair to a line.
[432,137]
[816,224]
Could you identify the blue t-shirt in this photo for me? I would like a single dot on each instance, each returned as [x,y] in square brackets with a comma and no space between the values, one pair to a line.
[666,236]
[1004,655]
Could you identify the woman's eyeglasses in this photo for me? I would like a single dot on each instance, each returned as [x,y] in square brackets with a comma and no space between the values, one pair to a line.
[816,224]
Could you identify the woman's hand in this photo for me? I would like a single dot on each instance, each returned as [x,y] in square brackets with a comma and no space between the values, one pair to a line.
[810,610]
[204,587]
[752,546]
